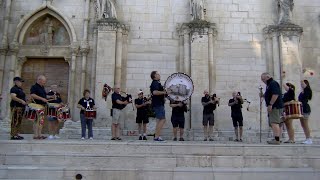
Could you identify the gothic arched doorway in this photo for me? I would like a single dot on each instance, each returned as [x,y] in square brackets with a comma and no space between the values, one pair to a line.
[57,73]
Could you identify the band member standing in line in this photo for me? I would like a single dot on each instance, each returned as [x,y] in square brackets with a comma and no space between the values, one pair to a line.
[209,105]
[236,114]
[288,96]
[274,104]
[118,103]
[142,118]
[86,103]
[158,94]
[304,97]
[17,104]
[177,118]
[39,95]
[53,122]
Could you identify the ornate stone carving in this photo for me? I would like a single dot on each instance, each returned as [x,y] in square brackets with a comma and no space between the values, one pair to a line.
[199,27]
[21,60]
[285,8]
[3,51]
[110,25]
[197,9]
[84,49]
[105,9]
[282,29]
[47,31]
[14,47]
[74,48]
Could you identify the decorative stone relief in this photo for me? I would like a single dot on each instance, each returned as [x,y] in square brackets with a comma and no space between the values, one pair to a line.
[47,31]
[285,8]
[105,9]
[111,25]
[197,9]
[286,30]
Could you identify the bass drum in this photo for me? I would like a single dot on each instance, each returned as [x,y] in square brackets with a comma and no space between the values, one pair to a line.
[180,86]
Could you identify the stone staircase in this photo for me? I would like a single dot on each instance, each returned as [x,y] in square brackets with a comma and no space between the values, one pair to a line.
[147,160]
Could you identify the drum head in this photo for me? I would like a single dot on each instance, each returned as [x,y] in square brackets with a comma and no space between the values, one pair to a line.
[35,106]
[181,86]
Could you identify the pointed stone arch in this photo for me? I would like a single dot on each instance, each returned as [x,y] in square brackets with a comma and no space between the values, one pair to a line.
[44,10]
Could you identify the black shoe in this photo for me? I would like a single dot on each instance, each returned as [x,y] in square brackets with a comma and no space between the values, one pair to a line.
[175,139]
[15,138]
[210,139]
[205,139]
[240,140]
[181,139]
[236,140]
[118,138]
[140,137]
[113,139]
[144,138]
[21,137]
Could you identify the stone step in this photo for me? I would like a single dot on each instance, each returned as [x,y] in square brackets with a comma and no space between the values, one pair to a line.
[156,148]
[153,173]
[158,160]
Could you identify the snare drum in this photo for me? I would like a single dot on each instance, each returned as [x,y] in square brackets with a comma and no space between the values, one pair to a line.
[90,114]
[53,109]
[293,110]
[33,110]
[64,114]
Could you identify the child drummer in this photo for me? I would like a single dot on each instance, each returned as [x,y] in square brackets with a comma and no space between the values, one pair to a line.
[86,103]
[53,123]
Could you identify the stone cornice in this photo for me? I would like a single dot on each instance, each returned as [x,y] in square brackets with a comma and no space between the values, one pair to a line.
[112,25]
[282,29]
[198,26]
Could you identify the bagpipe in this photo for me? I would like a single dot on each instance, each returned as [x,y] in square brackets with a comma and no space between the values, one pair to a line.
[105,91]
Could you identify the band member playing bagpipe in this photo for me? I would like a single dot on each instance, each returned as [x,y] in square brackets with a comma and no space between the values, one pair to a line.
[84,104]
[17,105]
[177,118]
[274,105]
[39,96]
[236,114]
[304,97]
[158,99]
[53,122]
[209,104]
[118,103]
[142,118]
[288,96]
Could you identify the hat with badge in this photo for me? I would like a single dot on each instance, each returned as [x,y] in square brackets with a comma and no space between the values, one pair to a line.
[18,79]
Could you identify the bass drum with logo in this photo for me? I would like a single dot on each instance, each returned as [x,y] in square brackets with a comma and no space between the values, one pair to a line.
[180,87]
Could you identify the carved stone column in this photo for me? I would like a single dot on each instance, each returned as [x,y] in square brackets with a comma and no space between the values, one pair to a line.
[3,53]
[186,50]
[118,64]
[84,50]
[125,32]
[212,65]
[72,72]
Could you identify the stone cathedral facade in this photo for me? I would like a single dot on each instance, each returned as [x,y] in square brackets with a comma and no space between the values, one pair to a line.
[224,45]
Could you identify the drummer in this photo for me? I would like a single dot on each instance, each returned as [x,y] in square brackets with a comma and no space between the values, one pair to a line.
[53,122]
[17,104]
[86,103]
[39,95]
[288,96]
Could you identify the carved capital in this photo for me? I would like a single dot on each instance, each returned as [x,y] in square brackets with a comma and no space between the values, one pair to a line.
[74,48]
[3,51]
[14,48]
[21,60]
[282,29]
[109,25]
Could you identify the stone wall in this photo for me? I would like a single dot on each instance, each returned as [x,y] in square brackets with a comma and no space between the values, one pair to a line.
[153,44]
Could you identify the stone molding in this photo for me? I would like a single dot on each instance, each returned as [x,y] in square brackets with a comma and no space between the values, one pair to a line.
[3,51]
[112,25]
[74,49]
[286,30]
[14,48]
[200,27]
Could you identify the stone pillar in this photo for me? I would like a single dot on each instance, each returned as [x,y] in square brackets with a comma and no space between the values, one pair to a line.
[186,49]
[105,68]
[84,52]
[212,64]
[93,63]
[118,64]
[72,78]
[3,53]
[20,62]
[276,58]
[269,53]
[181,53]
[124,59]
